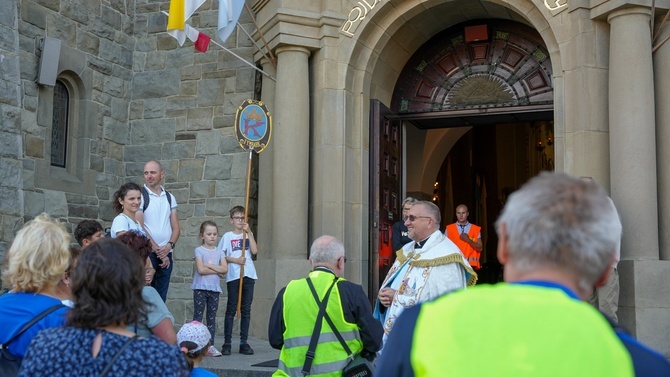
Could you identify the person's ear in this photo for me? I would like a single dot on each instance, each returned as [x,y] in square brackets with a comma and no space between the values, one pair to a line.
[502,252]
[603,277]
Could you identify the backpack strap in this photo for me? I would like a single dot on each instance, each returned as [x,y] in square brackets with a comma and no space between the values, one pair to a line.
[34,321]
[145,198]
[309,357]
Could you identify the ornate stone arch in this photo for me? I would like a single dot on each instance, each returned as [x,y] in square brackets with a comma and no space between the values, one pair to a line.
[508,65]
[391,32]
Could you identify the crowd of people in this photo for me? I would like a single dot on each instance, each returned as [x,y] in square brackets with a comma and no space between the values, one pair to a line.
[106,297]
[559,240]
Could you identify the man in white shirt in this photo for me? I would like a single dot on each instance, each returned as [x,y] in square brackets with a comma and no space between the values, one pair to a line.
[159,219]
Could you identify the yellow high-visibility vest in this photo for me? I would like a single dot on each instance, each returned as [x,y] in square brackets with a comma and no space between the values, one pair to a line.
[515,330]
[300,312]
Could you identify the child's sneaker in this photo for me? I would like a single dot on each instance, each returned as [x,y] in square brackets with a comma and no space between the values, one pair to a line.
[245,349]
[213,352]
[225,349]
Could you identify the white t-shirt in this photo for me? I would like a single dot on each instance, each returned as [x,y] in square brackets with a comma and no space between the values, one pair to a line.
[123,223]
[209,282]
[157,216]
[231,244]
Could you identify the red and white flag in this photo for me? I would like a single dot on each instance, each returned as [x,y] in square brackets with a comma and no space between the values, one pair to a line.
[202,42]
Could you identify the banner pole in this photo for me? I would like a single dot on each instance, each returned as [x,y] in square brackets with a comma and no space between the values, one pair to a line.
[244,234]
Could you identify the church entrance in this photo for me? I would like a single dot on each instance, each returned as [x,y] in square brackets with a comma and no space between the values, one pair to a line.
[473,110]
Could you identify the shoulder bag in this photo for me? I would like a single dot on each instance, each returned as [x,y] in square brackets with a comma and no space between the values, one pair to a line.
[9,363]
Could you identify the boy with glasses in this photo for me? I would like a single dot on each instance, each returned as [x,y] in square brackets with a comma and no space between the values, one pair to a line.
[231,244]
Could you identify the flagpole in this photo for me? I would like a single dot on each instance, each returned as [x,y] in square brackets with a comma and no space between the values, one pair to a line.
[245,62]
[232,53]
[244,234]
[253,19]
[256,44]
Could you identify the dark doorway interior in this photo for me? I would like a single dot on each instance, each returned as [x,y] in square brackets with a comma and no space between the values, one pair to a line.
[486,165]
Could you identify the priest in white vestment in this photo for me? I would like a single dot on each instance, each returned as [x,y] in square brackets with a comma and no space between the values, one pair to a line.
[427,268]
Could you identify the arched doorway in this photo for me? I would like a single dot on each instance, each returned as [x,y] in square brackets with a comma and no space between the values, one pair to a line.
[476,107]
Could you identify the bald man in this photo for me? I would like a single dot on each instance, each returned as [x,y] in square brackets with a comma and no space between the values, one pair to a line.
[466,236]
[159,219]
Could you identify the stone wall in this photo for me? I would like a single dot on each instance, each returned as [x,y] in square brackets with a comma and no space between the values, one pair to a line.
[139,96]
[11,195]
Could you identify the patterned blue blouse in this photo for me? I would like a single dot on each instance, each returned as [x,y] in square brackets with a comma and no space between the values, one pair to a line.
[66,351]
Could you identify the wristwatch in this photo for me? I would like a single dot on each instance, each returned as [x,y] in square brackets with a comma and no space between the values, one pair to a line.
[171,244]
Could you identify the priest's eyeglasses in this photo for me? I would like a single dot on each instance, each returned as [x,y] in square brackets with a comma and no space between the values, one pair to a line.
[411,218]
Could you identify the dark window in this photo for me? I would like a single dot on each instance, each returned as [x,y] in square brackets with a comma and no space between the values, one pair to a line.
[61,106]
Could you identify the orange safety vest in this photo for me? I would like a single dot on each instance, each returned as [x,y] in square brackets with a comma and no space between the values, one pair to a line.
[468,251]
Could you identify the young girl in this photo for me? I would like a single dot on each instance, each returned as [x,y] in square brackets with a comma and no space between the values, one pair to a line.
[210,266]
[194,339]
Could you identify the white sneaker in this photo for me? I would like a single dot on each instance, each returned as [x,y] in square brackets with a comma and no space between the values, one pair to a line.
[213,352]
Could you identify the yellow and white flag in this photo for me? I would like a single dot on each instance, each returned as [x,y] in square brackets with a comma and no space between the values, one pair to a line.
[180,11]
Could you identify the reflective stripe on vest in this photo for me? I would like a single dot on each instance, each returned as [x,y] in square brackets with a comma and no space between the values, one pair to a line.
[299,312]
[521,331]
[468,251]
[326,369]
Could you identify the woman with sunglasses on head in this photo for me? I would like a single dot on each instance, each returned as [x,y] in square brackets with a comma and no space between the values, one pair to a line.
[107,288]
[159,321]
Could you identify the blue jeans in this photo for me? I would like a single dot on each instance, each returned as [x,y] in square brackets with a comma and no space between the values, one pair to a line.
[161,280]
[245,310]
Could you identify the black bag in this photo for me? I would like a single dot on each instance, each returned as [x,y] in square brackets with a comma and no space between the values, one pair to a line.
[9,363]
[359,367]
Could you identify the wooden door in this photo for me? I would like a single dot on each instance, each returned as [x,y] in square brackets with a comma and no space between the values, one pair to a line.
[385,191]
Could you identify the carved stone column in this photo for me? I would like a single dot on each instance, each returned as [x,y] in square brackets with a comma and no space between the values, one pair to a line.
[265,167]
[290,173]
[662,91]
[633,133]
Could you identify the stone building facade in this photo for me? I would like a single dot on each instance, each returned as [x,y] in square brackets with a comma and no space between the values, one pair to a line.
[135,95]
[602,62]
[589,75]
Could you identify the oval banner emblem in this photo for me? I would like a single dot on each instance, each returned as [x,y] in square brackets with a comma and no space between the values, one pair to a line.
[253,125]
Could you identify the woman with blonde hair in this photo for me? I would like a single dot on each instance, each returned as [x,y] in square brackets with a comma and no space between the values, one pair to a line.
[107,289]
[35,263]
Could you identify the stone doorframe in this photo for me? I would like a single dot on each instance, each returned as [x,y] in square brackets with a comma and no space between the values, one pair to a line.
[386,39]
[506,69]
